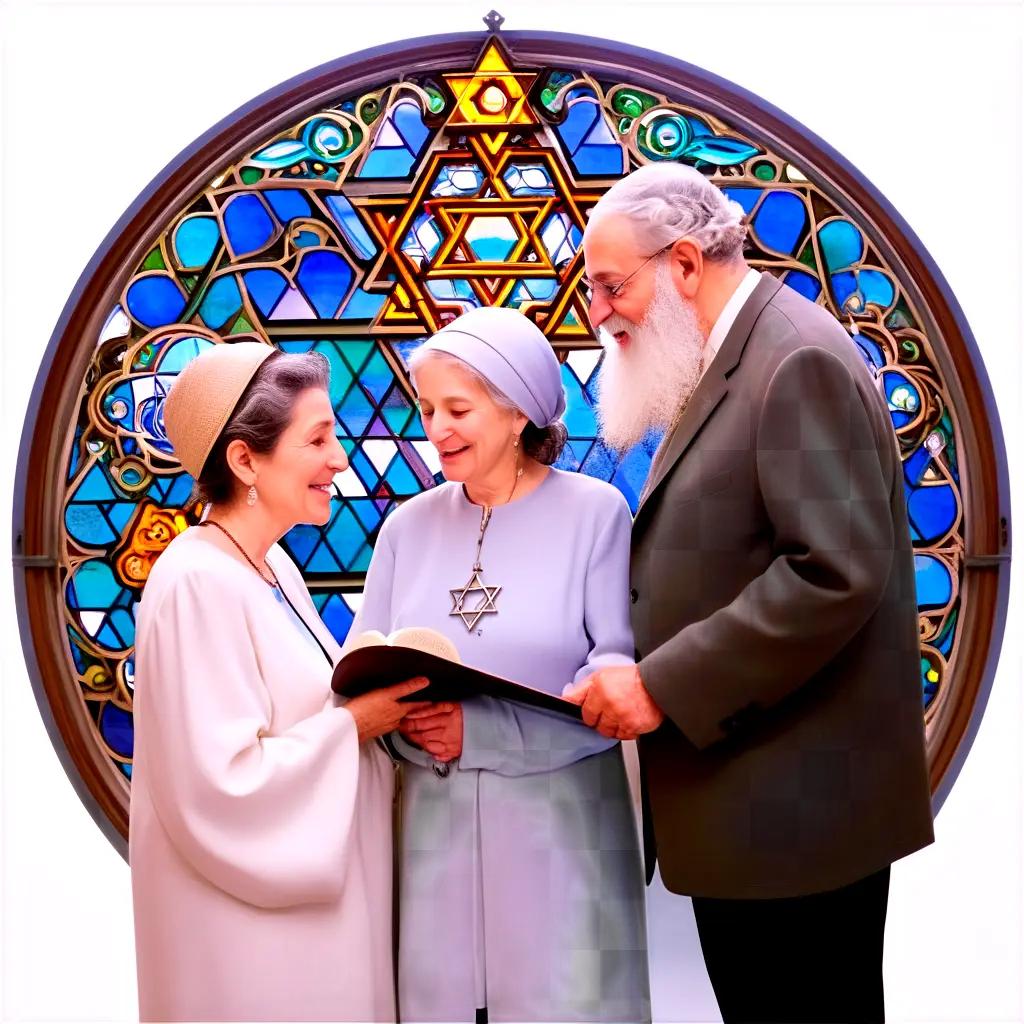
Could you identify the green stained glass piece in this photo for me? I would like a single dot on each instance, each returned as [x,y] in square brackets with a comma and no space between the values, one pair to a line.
[189,282]
[625,123]
[397,418]
[807,257]
[369,111]
[764,171]
[632,102]
[436,100]
[242,325]
[341,375]
[250,175]
[355,353]
[154,261]
[900,317]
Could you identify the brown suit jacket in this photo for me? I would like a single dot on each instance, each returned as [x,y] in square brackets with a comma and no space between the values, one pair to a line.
[776,620]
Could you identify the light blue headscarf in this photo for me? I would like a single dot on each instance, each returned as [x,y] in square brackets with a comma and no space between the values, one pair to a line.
[512,353]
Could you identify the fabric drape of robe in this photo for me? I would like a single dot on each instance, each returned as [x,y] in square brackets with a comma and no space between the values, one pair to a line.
[260,833]
[521,881]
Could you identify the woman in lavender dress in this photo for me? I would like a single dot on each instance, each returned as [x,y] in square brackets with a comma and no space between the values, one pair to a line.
[522,895]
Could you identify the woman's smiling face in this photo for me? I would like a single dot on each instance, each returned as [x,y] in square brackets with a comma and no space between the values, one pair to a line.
[472,434]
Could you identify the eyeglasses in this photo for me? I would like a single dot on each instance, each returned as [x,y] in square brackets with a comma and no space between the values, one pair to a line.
[612,291]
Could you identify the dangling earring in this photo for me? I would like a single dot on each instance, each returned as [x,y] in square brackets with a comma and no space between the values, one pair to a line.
[515,448]
[250,498]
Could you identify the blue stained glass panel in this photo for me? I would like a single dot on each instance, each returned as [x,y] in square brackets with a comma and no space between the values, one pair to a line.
[408,122]
[179,353]
[248,225]
[401,478]
[221,302]
[195,241]
[288,203]
[325,278]
[746,197]
[592,147]
[632,473]
[363,305]
[841,243]
[870,350]
[352,227]
[528,180]
[117,730]
[944,644]
[781,221]
[915,465]
[335,613]
[806,285]
[265,288]
[399,141]
[932,511]
[876,287]
[579,416]
[346,537]
[155,300]
[95,487]
[300,542]
[934,585]
[843,286]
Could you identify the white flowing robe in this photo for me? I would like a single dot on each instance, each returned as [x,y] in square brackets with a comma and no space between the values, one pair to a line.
[521,886]
[260,835]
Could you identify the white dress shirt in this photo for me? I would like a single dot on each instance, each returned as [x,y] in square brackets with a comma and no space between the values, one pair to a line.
[727,317]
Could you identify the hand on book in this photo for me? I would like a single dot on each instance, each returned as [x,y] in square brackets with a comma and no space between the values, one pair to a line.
[379,712]
[437,730]
[616,703]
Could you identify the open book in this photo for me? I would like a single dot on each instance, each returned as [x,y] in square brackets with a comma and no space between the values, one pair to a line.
[372,660]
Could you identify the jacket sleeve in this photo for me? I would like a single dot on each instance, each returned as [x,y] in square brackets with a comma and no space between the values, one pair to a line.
[265,816]
[826,494]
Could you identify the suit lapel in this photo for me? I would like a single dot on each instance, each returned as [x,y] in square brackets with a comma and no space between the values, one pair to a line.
[713,387]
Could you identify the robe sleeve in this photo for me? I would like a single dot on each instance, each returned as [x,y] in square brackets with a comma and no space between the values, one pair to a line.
[514,740]
[266,818]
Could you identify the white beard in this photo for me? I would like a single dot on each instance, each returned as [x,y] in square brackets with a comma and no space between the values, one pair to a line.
[646,386]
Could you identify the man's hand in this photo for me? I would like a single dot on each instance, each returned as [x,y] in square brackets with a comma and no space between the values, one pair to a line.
[436,729]
[616,703]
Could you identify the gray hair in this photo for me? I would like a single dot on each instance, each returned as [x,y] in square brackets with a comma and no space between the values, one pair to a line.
[666,201]
[544,444]
[261,416]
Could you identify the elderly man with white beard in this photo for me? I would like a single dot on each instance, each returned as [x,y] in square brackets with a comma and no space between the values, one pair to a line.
[777,693]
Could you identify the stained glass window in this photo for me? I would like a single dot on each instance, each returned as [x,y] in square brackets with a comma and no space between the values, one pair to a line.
[372,220]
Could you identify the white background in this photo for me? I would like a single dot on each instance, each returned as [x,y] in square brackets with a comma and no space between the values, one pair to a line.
[924,99]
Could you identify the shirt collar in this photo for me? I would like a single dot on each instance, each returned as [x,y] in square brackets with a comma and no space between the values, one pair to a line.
[728,315]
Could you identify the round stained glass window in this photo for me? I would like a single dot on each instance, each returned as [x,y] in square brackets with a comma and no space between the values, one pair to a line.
[357,209]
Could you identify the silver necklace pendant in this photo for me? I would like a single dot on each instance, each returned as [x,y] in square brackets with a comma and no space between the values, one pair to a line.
[485,595]
[484,605]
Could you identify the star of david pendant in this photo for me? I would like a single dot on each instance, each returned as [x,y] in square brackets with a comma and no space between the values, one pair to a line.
[484,606]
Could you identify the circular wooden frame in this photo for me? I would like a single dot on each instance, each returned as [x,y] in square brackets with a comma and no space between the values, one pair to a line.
[57,390]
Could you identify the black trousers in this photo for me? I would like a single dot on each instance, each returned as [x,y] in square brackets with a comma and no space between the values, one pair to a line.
[806,959]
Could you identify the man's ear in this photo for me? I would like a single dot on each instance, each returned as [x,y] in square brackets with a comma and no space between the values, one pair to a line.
[686,260]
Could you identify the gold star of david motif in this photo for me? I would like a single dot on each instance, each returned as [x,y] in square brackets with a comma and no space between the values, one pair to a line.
[411,309]
[471,616]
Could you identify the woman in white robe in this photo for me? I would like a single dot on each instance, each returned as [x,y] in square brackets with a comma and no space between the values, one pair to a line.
[260,834]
